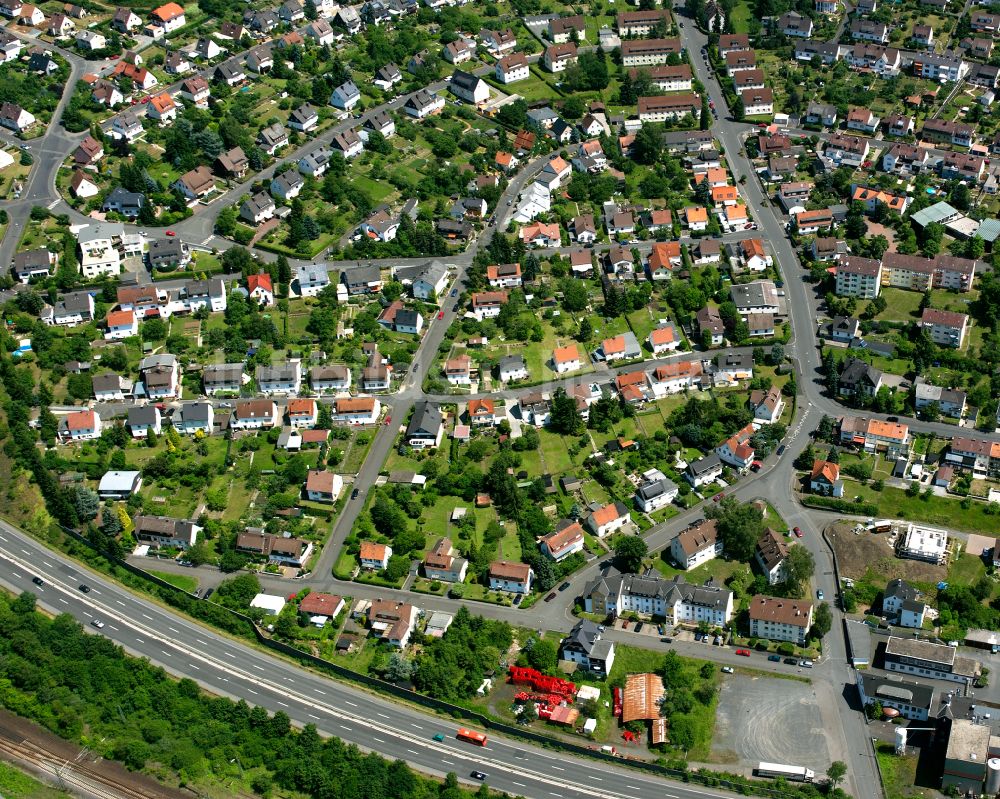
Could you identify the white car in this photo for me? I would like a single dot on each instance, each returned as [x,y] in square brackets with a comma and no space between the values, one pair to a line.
[727,669]
[98,624]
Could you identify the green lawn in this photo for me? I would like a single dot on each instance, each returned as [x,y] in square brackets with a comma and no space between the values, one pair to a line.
[898,773]
[15,784]
[939,511]
[717,569]
[901,305]
[182,581]
[740,17]
[966,569]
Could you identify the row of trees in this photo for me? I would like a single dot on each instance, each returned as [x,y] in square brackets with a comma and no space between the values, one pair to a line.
[85,689]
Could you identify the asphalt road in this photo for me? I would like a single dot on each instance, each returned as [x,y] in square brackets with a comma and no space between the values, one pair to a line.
[228,667]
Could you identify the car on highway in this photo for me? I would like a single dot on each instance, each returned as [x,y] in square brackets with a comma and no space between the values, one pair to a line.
[354,493]
[819,593]
[774,658]
[98,624]
[171,233]
[743,652]
[478,775]
[85,588]
[439,737]
[38,581]
[440,314]
[550,597]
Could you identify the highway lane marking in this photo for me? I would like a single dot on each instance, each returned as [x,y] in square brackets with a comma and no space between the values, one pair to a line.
[2,538]
[252,691]
[62,600]
[558,768]
[120,602]
[450,763]
[554,793]
[203,643]
[313,717]
[349,704]
[255,666]
[222,666]
[112,627]
[597,778]
[519,784]
[321,693]
[378,740]
[165,652]
[48,564]
[139,641]
[382,715]
[283,704]
[173,630]
[147,617]
[25,551]
[416,725]
[413,752]
[196,668]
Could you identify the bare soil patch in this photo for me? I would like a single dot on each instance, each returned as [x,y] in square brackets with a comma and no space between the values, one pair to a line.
[857,553]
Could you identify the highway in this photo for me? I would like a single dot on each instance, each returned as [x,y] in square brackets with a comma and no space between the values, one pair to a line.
[229,667]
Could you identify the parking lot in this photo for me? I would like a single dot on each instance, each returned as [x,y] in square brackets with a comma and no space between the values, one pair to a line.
[776,720]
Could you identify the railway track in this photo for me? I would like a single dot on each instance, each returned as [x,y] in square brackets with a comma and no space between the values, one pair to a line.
[77,777]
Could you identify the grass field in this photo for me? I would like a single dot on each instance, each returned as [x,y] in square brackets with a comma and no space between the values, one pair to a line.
[16,784]
[740,17]
[939,511]
[182,581]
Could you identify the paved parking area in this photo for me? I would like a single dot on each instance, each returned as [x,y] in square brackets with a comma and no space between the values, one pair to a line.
[762,718]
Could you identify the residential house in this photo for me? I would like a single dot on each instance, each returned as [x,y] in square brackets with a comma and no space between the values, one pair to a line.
[293,552]
[696,544]
[323,486]
[80,426]
[194,417]
[704,470]
[780,619]
[468,87]
[442,563]
[737,450]
[655,491]
[254,415]
[511,368]
[143,420]
[771,556]
[163,532]
[272,138]
[513,578]
[426,426]
[558,57]
[945,328]
[608,519]
[825,479]
[566,541]
[859,379]
[355,410]
[766,406]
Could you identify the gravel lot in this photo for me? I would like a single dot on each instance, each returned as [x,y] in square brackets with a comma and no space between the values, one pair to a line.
[762,718]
